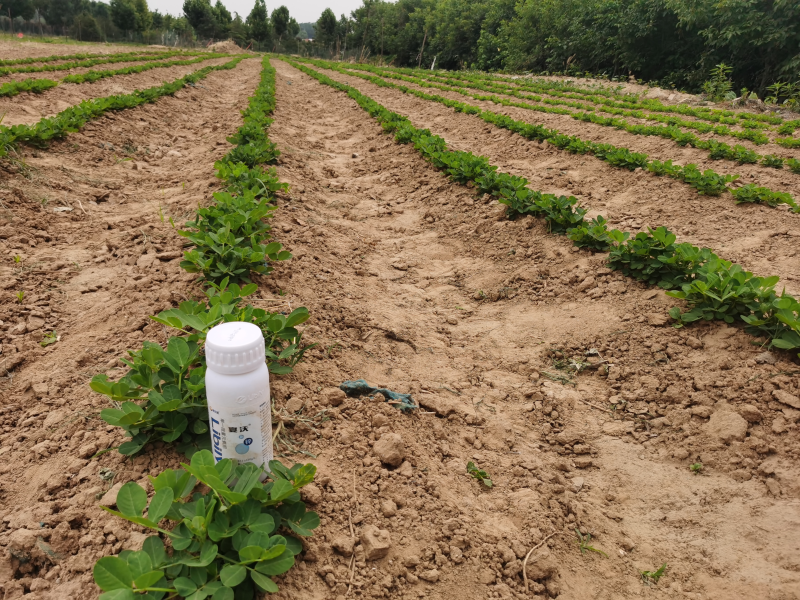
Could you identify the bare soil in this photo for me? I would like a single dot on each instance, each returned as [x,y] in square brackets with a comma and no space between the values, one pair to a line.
[414,284]
[762,239]
[57,75]
[28,108]
[11,49]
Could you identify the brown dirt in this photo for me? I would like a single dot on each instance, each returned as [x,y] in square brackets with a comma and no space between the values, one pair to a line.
[10,49]
[666,145]
[762,239]
[228,46]
[57,75]
[390,258]
[29,108]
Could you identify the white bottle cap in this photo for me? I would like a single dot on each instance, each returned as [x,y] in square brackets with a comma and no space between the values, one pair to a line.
[234,348]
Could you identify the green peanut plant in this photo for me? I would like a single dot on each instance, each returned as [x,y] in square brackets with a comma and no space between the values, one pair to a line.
[162,396]
[706,182]
[228,238]
[230,533]
[711,287]
[75,117]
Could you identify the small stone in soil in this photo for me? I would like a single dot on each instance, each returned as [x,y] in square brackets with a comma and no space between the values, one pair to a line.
[376,542]
[344,545]
[390,449]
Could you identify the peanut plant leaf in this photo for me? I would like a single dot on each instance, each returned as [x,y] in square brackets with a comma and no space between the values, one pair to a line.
[131,499]
[160,504]
[112,573]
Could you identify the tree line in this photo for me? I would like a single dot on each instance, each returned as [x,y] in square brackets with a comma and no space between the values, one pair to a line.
[93,20]
[671,42]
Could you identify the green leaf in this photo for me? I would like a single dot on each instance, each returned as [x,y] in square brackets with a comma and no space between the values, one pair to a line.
[112,573]
[131,499]
[184,586]
[121,594]
[277,565]
[250,553]
[148,579]
[264,523]
[223,593]
[207,554]
[281,490]
[264,583]
[160,504]
[138,562]
[154,547]
[232,575]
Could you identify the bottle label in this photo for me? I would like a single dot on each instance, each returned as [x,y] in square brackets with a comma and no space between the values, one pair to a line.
[242,434]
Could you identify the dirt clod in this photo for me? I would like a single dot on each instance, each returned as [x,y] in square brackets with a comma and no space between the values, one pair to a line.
[390,449]
[376,542]
[727,426]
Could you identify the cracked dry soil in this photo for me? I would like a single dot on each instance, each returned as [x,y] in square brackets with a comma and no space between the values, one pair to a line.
[414,284]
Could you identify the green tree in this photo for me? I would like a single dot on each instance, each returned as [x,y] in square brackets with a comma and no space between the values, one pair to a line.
[19,8]
[293,28]
[157,19]
[144,19]
[222,20]
[238,31]
[123,14]
[200,16]
[325,28]
[85,28]
[258,23]
[280,21]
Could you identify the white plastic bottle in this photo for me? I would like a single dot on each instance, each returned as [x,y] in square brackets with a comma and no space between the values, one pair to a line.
[237,388]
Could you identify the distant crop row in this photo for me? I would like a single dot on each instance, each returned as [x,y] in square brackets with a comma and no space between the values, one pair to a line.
[752,131]
[622,104]
[605,97]
[73,118]
[229,533]
[706,182]
[713,288]
[13,88]
[44,59]
[717,150]
[94,61]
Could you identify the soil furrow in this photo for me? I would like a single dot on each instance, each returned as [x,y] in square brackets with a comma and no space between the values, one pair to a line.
[97,256]
[416,285]
[654,146]
[30,108]
[507,336]
[761,239]
[59,75]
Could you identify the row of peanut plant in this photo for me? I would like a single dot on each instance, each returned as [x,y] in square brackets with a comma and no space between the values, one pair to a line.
[608,98]
[39,85]
[68,57]
[711,287]
[672,130]
[91,62]
[706,182]
[219,531]
[73,118]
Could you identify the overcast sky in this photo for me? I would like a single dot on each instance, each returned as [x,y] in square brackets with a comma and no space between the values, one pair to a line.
[304,11]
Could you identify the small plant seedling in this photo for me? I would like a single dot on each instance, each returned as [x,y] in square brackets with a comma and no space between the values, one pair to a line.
[653,576]
[479,474]
[584,543]
[17,258]
[20,296]
[50,338]
[696,468]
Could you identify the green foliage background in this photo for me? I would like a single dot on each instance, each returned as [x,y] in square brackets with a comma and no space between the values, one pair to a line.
[669,41]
